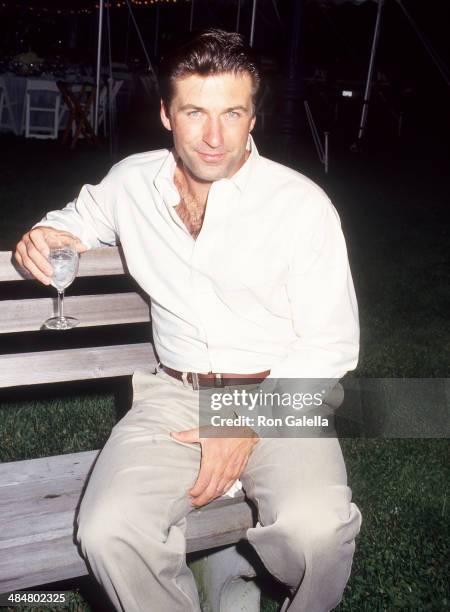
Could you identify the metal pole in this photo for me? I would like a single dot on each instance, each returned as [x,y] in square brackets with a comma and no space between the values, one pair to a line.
[238,18]
[192,15]
[141,40]
[432,53]
[99,62]
[252,27]
[275,8]
[376,35]
[289,117]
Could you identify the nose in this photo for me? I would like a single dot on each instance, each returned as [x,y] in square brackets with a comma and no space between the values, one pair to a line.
[212,133]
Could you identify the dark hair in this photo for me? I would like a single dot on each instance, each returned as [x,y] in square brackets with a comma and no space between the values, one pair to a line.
[205,53]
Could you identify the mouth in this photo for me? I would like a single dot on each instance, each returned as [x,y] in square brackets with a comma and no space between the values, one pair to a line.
[211,158]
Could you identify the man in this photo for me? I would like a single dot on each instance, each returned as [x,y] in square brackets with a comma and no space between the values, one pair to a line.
[246,267]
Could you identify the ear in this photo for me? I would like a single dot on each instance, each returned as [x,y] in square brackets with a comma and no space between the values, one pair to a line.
[165,120]
[252,123]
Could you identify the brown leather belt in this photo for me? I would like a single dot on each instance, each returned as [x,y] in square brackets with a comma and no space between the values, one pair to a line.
[211,379]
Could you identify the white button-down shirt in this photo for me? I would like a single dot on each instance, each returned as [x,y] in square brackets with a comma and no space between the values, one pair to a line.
[266,284]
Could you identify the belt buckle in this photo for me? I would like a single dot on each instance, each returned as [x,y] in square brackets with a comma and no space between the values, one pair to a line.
[218,380]
[195,383]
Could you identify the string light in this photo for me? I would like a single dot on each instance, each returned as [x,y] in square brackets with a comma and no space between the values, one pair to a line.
[86,11]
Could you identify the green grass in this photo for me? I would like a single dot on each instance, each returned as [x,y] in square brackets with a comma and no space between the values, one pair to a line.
[395,214]
[55,426]
[402,556]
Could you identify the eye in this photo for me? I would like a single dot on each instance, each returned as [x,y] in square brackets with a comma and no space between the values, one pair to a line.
[194,113]
[233,115]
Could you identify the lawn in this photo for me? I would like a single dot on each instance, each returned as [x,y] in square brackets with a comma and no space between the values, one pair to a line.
[394,211]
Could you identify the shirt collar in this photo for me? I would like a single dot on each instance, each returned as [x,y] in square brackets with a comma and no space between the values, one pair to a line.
[164,183]
[163,180]
[240,178]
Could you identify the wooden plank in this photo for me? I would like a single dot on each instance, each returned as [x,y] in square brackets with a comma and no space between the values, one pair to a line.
[95,262]
[106,261]
[222,522]
[38,563]
[57,557]
[38,502]
[74,364]
[90,310]
[45,469]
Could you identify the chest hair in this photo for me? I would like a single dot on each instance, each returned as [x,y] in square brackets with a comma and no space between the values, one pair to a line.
[190,210]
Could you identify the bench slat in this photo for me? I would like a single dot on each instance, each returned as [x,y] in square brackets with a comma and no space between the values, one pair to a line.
[95,262]
[38,563]
[74,364]
[45,469]
[37,532]
[110,309]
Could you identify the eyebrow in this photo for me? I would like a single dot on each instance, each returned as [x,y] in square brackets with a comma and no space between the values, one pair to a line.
[200,108]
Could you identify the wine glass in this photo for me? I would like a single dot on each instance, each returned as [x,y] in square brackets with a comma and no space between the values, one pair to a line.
[64,261]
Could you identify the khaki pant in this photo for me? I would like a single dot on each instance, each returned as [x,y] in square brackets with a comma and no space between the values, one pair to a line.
[132,518]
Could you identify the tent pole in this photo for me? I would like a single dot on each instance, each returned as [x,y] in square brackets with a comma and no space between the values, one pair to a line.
[275,8]
[438,62]
[252,28]
[238,18]
[376,36]
[141,40]
[99,62]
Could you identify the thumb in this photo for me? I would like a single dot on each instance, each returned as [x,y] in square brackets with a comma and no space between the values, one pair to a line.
[81,248]
[189,435]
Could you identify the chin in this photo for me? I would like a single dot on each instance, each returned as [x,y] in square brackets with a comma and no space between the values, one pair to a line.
[208,175]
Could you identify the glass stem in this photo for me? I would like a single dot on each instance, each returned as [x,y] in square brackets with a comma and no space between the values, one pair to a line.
[61,304]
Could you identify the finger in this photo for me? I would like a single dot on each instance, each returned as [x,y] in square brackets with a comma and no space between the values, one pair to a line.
[80,246]
[203,481]
[19,260]
[188,435]
[38,253]
[36,239]
[224,485]
[40,236]
[210,493]
[22,256]
[228,486]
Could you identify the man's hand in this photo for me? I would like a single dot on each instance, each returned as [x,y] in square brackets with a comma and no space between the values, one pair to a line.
[223,459]
[32,251]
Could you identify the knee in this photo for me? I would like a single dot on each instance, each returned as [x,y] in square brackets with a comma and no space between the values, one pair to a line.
[306,539]
[98,530]
[318,530]
[108,531]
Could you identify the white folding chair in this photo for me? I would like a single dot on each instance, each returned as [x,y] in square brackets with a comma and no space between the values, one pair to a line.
[42,109]
[103,105]
[6,116]
[128,86]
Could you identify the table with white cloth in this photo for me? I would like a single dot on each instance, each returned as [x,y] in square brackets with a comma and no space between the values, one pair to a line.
[15,91]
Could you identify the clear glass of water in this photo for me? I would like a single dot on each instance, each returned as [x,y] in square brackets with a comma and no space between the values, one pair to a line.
[64,261]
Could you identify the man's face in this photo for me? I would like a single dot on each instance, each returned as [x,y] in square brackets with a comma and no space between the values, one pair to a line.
[210,118]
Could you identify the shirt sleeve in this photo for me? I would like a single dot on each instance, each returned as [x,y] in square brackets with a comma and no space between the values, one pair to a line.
[90,217]
[324,316]
[323,303]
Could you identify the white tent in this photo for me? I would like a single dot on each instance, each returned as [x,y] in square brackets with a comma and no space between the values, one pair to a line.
[101,8]
[254,5]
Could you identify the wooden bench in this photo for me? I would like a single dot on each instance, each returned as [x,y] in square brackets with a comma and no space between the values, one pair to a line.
[39,497]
